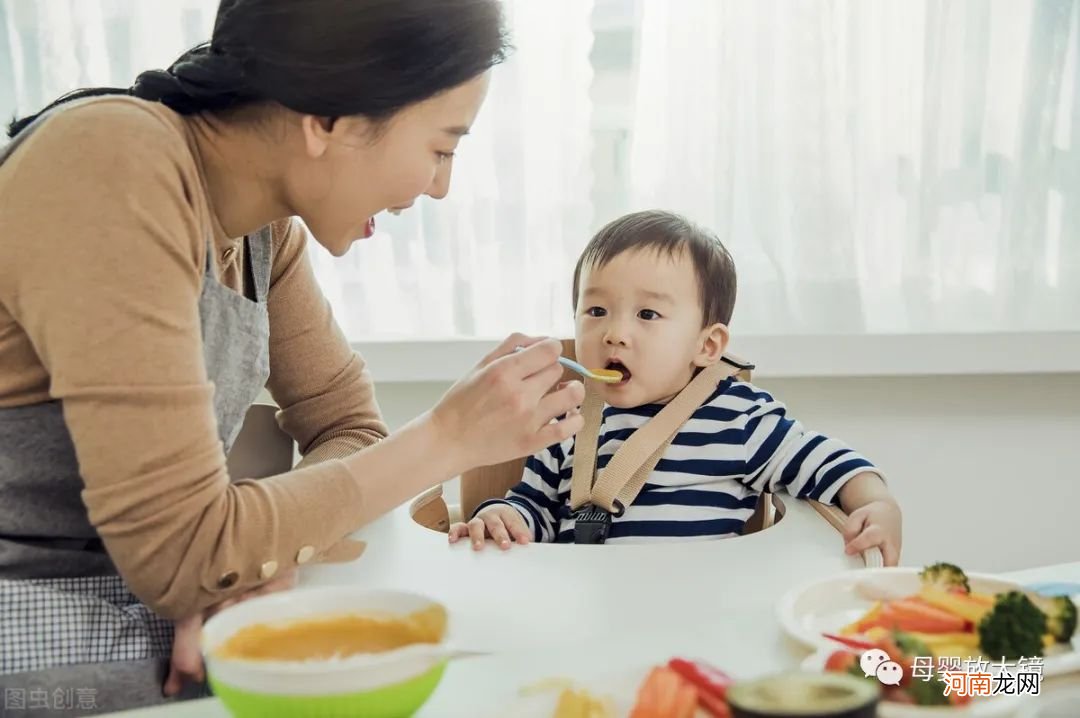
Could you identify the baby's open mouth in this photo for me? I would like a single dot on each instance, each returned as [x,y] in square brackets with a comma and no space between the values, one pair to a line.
[618,366]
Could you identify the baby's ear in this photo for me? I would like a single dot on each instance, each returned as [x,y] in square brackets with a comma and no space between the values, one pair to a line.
[712,343]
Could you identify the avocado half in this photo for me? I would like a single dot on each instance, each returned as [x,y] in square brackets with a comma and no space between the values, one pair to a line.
[804,695]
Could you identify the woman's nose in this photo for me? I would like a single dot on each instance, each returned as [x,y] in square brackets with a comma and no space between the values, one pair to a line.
[440,183]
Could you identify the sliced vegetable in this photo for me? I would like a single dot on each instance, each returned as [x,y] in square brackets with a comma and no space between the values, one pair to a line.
[704,677]
[969,640]
[952,650]
[913,616]
[579,704]
[865,623]
[665,693]
[840,661]
[962,605]
[857,643]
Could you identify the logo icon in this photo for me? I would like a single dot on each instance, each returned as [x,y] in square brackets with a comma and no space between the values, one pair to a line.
[877,664]
[870,660]
[890,673]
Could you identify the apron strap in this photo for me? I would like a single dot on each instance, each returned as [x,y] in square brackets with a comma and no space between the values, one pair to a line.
[260,248]
[625,475]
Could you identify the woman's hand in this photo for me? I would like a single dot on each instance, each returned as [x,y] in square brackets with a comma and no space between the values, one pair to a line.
[186,663]
[504,408]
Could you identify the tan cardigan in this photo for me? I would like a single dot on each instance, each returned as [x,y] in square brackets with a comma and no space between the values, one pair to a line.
[104,220]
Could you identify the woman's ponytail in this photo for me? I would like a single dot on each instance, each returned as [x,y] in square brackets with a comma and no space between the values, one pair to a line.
[200,80]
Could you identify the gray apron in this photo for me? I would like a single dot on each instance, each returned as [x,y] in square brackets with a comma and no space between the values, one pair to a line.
[73,639]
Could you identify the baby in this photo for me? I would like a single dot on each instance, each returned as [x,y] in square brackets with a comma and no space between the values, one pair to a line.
[653,297]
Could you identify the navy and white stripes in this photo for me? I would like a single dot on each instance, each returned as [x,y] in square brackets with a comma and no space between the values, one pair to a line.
[737,444]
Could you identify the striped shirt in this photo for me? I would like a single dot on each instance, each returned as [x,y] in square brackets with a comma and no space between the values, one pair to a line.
[738,443]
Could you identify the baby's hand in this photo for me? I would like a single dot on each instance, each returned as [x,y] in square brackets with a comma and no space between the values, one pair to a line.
[500,522]
[878,523]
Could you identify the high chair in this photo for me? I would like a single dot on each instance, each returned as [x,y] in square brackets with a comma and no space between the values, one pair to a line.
[487,482]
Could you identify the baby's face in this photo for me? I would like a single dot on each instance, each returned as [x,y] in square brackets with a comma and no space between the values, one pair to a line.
[641,312]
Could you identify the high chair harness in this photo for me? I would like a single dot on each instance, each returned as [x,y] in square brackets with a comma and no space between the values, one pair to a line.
[596,496]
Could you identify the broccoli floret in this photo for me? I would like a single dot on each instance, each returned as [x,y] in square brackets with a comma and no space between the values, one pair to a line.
[928,693]
[946,577]
[910,646]
[1060,614]
[1013,629]
[856,670]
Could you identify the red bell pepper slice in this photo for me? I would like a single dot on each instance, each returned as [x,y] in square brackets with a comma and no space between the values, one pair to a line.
[711,683]
[851,642]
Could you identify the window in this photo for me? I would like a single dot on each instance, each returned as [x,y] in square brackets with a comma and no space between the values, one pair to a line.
[887,167]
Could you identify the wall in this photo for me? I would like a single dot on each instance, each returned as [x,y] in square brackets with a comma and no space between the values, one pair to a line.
[987,468]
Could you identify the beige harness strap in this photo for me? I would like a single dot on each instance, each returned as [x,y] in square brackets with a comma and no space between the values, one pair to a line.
[622,479]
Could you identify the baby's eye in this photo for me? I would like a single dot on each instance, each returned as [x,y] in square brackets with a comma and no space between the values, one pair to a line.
[595,312]
[648,314]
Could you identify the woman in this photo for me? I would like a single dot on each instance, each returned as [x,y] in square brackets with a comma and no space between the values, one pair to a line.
[152,283]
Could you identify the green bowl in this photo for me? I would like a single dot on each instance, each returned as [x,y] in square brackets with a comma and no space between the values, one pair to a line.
[394,684]
[394,701]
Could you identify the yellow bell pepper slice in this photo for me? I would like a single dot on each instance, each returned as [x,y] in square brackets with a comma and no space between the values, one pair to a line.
[956,604]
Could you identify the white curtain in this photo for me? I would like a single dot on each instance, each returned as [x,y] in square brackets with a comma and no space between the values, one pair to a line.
[49,47]
[874,165]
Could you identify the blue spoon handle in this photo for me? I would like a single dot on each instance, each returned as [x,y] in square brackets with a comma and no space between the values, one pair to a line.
[569,364]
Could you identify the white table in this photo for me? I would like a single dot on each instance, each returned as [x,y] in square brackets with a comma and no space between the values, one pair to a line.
[583,611]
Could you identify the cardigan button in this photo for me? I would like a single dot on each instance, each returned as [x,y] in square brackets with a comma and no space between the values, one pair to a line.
[305,554]
[268,569]
[228,580]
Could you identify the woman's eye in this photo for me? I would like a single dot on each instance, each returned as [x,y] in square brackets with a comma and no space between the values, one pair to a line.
[648,314]
[595,311]
[444,156]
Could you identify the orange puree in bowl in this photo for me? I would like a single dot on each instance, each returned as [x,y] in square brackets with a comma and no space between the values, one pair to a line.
[334,636]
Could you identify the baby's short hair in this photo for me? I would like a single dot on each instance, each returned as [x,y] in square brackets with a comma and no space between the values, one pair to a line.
[671,233]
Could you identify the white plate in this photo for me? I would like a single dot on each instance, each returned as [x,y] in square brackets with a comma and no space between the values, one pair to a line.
[827,605]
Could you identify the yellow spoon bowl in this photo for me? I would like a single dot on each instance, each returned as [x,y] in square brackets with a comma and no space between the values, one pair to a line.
[608,376]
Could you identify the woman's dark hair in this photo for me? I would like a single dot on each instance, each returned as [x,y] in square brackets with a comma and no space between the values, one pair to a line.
[329,58]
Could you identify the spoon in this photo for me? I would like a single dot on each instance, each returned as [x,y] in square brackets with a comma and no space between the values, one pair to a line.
[608,376]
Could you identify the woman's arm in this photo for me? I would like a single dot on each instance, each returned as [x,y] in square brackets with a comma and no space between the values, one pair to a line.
[326,393]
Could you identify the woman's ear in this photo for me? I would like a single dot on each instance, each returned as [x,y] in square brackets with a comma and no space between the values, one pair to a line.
[317,132]
[713,343]
[316,135]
